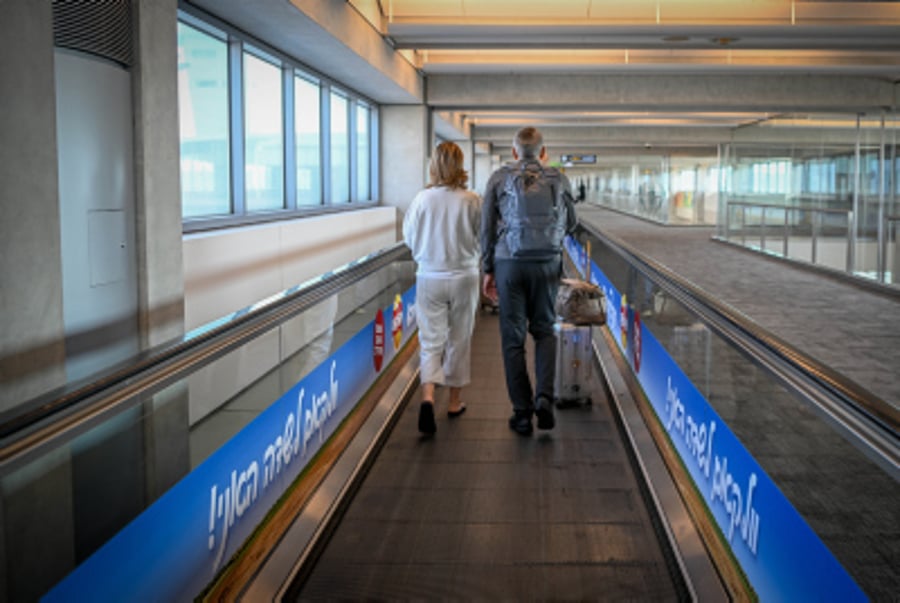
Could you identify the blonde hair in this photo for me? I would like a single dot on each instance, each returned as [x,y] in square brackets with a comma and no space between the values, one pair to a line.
[446,167]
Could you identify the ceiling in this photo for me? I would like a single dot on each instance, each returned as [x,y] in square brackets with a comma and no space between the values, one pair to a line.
[601,76]
[643,38]
[785,31]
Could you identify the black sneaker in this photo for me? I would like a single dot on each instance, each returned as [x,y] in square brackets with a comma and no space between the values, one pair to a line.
[543,408]
[521,423]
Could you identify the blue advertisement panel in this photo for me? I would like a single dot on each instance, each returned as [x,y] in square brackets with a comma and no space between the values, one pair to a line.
[177,545]
[783,559]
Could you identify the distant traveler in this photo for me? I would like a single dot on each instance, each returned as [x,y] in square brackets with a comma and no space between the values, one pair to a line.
[441,228]
[528,209]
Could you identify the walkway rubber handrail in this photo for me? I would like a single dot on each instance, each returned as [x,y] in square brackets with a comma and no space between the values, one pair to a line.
[26,427]
[868,418]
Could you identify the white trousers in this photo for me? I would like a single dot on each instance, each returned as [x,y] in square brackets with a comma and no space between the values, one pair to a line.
[445,312]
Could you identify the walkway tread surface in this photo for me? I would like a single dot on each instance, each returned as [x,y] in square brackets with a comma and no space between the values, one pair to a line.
[478,512]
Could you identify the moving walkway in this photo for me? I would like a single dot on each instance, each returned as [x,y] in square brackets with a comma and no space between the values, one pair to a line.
[311,481]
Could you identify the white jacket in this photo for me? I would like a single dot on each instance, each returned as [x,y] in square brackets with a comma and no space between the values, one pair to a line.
[442,228]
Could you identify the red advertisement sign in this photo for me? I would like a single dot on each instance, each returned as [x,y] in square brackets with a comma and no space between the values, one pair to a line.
[378,340]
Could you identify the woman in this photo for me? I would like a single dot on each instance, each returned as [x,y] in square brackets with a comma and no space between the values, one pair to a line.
[441,228]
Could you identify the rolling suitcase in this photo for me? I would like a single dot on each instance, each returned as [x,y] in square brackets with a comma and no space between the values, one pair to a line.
[574,364]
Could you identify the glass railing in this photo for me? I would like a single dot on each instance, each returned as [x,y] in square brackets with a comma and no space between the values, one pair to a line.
[829,447]
[890,251]
[821,236]
[148,461]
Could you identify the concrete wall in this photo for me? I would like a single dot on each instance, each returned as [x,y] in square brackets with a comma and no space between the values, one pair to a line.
[51,515]
[405,149]
[32,344]
[32,352]
[95,145]
[893,263]
[637,92]
[30,266]
[483,167]
[158,230]
[51,512]
[157,159]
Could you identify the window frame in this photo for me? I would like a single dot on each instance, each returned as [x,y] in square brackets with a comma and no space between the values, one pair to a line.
[216,33]
[349,124]
[297,74]
[239,42]
[357,106]
[277,63]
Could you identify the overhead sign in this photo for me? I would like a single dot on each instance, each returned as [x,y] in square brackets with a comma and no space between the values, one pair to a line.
[578,159]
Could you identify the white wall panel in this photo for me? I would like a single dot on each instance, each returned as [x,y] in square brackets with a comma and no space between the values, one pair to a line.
[228,270]
[96,198]
[231,269]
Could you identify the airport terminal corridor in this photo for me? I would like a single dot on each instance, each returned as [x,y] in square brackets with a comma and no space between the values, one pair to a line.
[478,512]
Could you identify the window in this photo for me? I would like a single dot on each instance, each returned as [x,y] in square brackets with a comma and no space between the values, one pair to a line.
[783,178]
[798,178]
[815,177]
[363,168]
[203,123]
[340,149]
[897,176]
[256,141]
[307,140]
[263,135]
[871,174]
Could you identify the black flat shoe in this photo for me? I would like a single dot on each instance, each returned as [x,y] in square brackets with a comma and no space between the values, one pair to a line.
[426,418]
[543,409]
[455,413]
[521,424]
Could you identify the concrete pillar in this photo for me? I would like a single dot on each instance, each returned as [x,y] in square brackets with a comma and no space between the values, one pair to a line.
[32,349]
[892,232]
[404,152]
[895,273]
[483,168]
[157,151]
[496,162]
[159,238]
[468,148]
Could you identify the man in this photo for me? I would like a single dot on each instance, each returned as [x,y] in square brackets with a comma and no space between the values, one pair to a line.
[527,209]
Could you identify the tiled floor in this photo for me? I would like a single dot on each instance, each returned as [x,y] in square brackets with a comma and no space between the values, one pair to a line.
[480,513]
[847,328]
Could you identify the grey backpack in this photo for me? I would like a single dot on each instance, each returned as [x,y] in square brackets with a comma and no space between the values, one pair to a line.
[534,212]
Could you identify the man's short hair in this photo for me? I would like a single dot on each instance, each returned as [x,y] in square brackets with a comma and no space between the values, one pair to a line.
[528,143]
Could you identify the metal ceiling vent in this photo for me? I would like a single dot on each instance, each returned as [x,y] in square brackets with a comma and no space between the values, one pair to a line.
[99,27]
